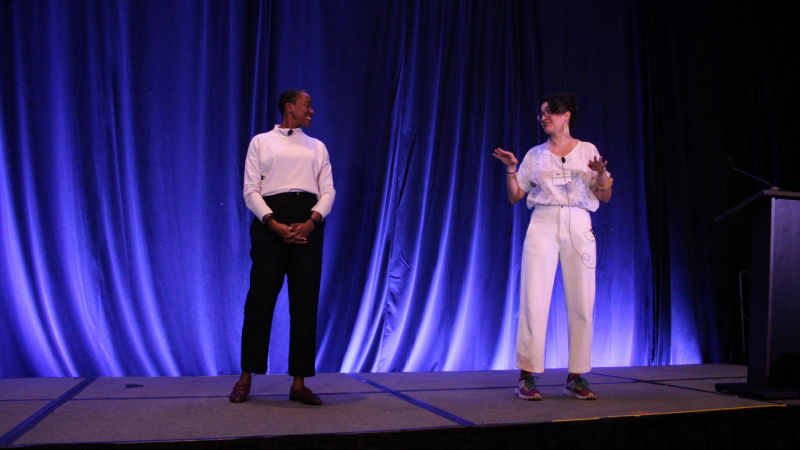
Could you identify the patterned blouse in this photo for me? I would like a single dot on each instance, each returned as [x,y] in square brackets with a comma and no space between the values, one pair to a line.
[548,181]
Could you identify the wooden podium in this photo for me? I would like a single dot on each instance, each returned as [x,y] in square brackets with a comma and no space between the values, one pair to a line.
[773,369]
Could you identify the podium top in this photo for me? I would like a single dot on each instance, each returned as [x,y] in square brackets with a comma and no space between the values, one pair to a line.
[757,198]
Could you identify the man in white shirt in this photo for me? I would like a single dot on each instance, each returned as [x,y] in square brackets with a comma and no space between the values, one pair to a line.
[288,186]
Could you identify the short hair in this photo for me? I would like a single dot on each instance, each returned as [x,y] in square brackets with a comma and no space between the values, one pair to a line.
[561,103]
[288,96]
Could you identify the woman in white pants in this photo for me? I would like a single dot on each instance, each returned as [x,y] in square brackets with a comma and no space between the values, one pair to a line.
[563,179]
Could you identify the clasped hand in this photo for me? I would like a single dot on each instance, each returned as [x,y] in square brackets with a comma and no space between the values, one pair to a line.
[296,234]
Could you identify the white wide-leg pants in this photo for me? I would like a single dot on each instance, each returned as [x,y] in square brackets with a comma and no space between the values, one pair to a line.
[547,242]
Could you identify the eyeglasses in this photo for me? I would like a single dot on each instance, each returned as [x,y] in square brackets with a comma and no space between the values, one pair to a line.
[543,114]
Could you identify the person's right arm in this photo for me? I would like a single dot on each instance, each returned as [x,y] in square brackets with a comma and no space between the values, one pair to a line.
[252,192]
[252,182]
[515,193]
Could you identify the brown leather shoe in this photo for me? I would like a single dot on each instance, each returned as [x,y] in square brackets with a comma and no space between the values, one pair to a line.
[304,396]
[240,392]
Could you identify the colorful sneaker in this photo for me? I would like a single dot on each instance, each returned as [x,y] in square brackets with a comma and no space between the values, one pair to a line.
[526,389]
[579,388]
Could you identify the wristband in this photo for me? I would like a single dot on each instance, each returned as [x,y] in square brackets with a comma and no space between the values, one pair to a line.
[270,218]
[603,188]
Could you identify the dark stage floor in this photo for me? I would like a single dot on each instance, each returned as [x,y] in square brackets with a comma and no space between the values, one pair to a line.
[136,409]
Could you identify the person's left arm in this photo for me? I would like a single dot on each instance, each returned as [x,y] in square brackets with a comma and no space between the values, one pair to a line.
[602,188]
[327,194]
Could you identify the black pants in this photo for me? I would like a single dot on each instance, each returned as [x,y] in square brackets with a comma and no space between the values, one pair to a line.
[302,266]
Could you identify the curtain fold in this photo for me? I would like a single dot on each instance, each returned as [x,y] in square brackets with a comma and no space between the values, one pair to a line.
[124,127]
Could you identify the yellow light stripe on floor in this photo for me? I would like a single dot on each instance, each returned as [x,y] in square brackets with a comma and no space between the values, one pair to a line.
[672,412]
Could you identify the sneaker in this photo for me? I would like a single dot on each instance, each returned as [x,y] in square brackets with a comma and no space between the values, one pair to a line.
[579,388]
[526,389]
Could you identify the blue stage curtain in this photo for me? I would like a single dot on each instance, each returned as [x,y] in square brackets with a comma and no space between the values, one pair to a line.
[124,126]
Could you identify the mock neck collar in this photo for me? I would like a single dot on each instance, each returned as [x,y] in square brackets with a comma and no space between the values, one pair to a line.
[285,131]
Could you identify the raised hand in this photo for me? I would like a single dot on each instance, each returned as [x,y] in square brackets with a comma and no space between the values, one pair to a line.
[598,165]
[507,158]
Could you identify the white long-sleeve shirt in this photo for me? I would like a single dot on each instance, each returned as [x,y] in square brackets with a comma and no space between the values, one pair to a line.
[277,163]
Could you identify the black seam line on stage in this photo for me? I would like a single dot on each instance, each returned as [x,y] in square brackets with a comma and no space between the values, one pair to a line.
[660,383]
[668,379]
[700,378]
[28,424]
[185,397]
[430,408]
[478,388]
[664,383]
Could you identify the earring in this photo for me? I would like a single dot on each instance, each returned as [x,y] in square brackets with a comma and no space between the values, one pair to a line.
[566,129]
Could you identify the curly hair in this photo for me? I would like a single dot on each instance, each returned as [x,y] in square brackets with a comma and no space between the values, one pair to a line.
[561,103]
